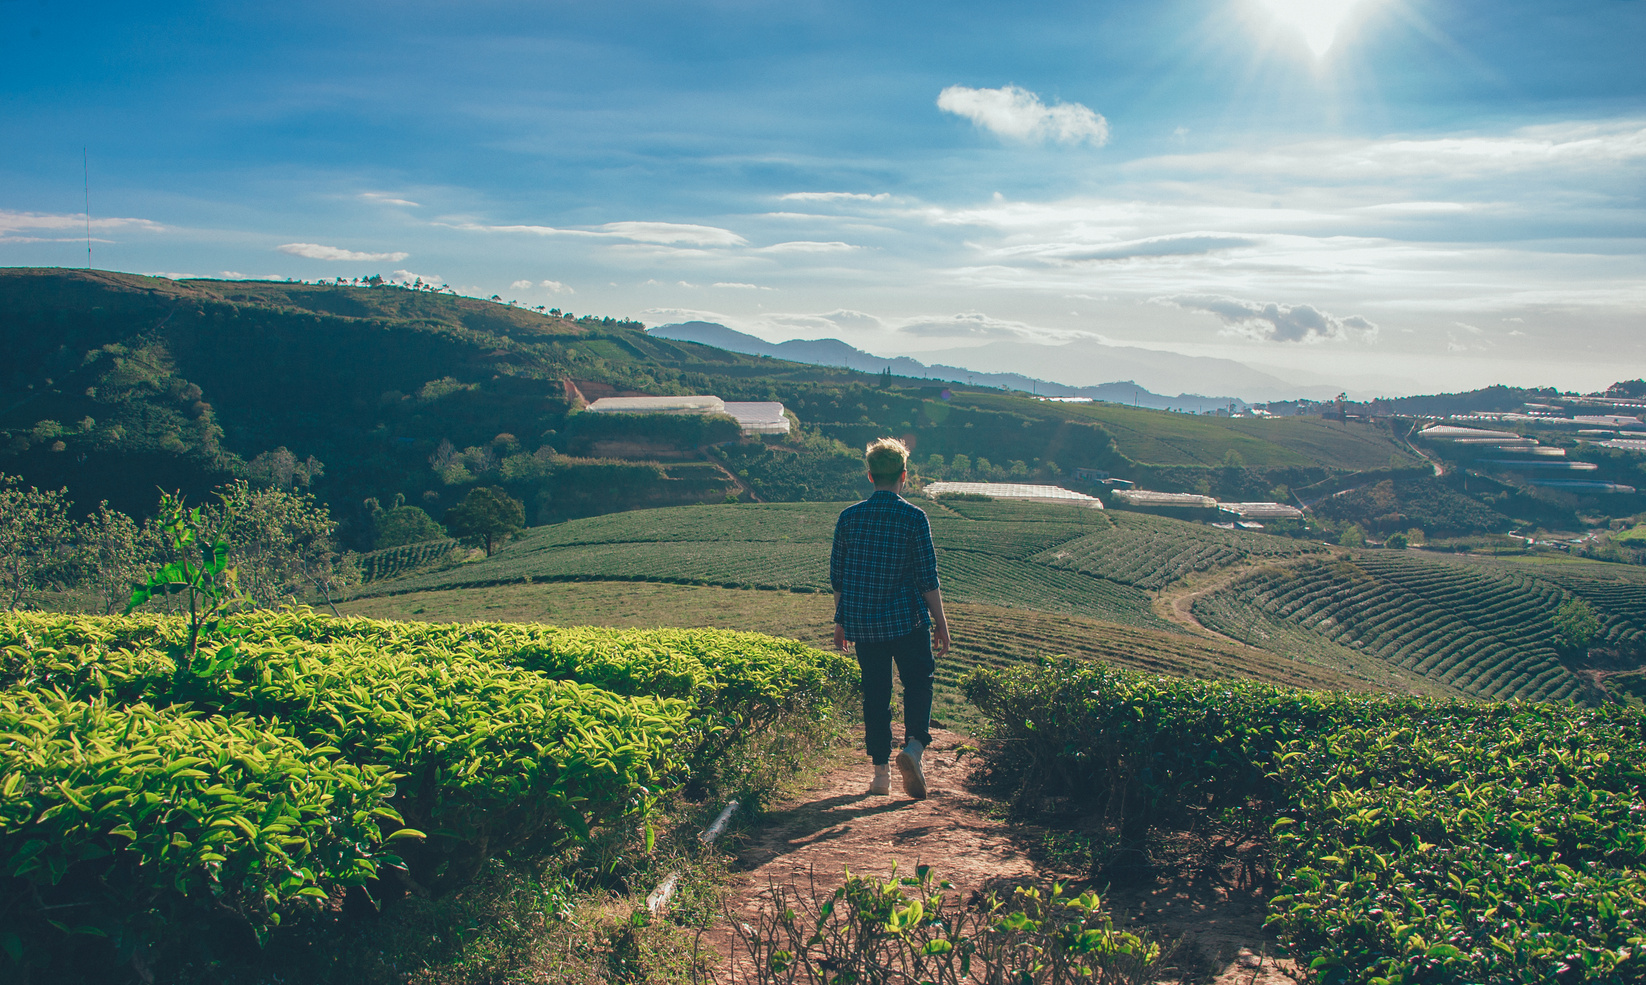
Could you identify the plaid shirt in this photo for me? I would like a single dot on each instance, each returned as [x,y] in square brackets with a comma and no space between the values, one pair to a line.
[881,564]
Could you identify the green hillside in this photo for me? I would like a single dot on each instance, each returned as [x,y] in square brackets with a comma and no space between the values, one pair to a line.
[1485,628]
[118,383]
[1396,620]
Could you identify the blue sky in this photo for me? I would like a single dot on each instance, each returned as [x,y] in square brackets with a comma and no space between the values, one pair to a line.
[1438,195]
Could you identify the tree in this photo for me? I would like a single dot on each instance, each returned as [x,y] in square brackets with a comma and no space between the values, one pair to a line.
[111,553]
[1576,625]
[1353,536]
[401,524]
[35,540]
[283,543]
[485,517]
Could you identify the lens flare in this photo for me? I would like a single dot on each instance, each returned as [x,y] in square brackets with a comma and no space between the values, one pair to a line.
[1317,20]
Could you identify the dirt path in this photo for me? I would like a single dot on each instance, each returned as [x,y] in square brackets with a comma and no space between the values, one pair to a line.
[1175,603]
[836,825]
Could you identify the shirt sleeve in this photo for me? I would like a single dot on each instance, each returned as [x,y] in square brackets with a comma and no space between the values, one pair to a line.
[837,569]
[924,561]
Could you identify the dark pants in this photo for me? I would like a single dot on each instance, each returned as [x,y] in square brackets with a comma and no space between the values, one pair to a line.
[915,668]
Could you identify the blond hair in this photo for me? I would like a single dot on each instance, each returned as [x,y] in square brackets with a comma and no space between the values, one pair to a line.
[887,459]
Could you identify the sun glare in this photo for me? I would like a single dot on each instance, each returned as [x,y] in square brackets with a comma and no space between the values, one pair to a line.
[1316,20]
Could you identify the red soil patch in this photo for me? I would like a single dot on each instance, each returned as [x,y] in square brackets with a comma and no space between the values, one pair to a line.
[836,825]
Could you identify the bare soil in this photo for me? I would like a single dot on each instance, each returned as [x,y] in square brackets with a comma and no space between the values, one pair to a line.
[835,826]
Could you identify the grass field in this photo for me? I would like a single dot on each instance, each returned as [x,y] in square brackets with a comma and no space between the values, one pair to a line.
[1043,579]
[985,635]
[1057,559]
[1157,437]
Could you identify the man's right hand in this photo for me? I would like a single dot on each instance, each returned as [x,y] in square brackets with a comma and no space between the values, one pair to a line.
[940,639]
[840,642]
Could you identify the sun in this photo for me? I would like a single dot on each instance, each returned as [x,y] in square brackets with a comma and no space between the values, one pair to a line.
[1317,20]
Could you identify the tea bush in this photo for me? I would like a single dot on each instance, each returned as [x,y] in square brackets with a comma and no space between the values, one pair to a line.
[447,742]
[1414,840]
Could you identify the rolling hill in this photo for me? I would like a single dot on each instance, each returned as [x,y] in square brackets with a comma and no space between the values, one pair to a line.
[118,384]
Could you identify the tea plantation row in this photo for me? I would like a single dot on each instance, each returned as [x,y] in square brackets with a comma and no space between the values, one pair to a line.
[142,796]
[1485,630]
[1413,840]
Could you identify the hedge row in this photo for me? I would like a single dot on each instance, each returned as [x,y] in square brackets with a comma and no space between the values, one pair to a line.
[428,750]
[1416,840]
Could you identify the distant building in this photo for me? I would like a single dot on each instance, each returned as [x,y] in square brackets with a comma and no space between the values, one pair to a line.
[1091,475]
[1261,511]
[762,417]
[658,405]
[754,417]
[1150,498]
[1016,490]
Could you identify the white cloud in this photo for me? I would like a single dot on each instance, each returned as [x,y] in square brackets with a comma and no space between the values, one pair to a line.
[314,251]
[834,197]
[807,246]
[407,277]
[671,233]
[1178,244]
[1272,322]
[1018,114]
[555,287]
[383,199]
[733,285]
[521,285]
[1583,147]
[12,222]
[967,325]
[657,233]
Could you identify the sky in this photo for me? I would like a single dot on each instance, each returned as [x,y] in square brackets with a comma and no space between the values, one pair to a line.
[1392,196]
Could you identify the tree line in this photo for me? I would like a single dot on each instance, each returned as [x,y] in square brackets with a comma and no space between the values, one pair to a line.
[285,548]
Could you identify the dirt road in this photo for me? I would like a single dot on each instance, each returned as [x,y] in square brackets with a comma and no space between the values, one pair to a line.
[967,839]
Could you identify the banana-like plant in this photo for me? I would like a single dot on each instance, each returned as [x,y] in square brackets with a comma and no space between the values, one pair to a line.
[209,583]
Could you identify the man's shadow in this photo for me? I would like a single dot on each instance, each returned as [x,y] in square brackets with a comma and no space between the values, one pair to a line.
[791,830]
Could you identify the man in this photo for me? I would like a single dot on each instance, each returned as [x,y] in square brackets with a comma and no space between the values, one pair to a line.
[884,574]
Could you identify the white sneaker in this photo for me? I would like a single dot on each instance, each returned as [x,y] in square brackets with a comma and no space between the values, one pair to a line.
[908,763]
[882,782]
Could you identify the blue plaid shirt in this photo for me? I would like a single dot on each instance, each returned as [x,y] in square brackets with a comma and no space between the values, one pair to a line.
[881,564]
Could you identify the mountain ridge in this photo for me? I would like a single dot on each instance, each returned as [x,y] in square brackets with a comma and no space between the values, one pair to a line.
[834,352]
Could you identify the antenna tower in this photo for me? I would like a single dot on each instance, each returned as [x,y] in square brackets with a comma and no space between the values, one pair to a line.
[85,171]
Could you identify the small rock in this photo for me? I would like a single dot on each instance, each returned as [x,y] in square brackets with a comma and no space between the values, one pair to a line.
[1246,959]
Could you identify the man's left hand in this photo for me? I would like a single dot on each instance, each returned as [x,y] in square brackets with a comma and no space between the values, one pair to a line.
[840,641]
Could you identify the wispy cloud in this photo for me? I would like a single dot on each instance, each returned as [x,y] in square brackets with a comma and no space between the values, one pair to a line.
[314,251]
[1273,322]
[555,287]
[13,222]
[408,277]
[656,233]
[736,286]
[1180,244]
[382,198]
[1018,114]
[807,246]
[834,197]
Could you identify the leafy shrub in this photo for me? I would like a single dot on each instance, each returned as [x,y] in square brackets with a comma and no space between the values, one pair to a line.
[123,822]
[910,930]
[1575,625]
[449,730]
[1415,840]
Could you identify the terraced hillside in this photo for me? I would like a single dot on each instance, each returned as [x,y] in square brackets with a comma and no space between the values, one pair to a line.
[1481,627]
[1151,552]
[1002,554]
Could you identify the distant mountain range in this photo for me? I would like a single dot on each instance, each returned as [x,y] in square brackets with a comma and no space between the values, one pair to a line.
[1022,363]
